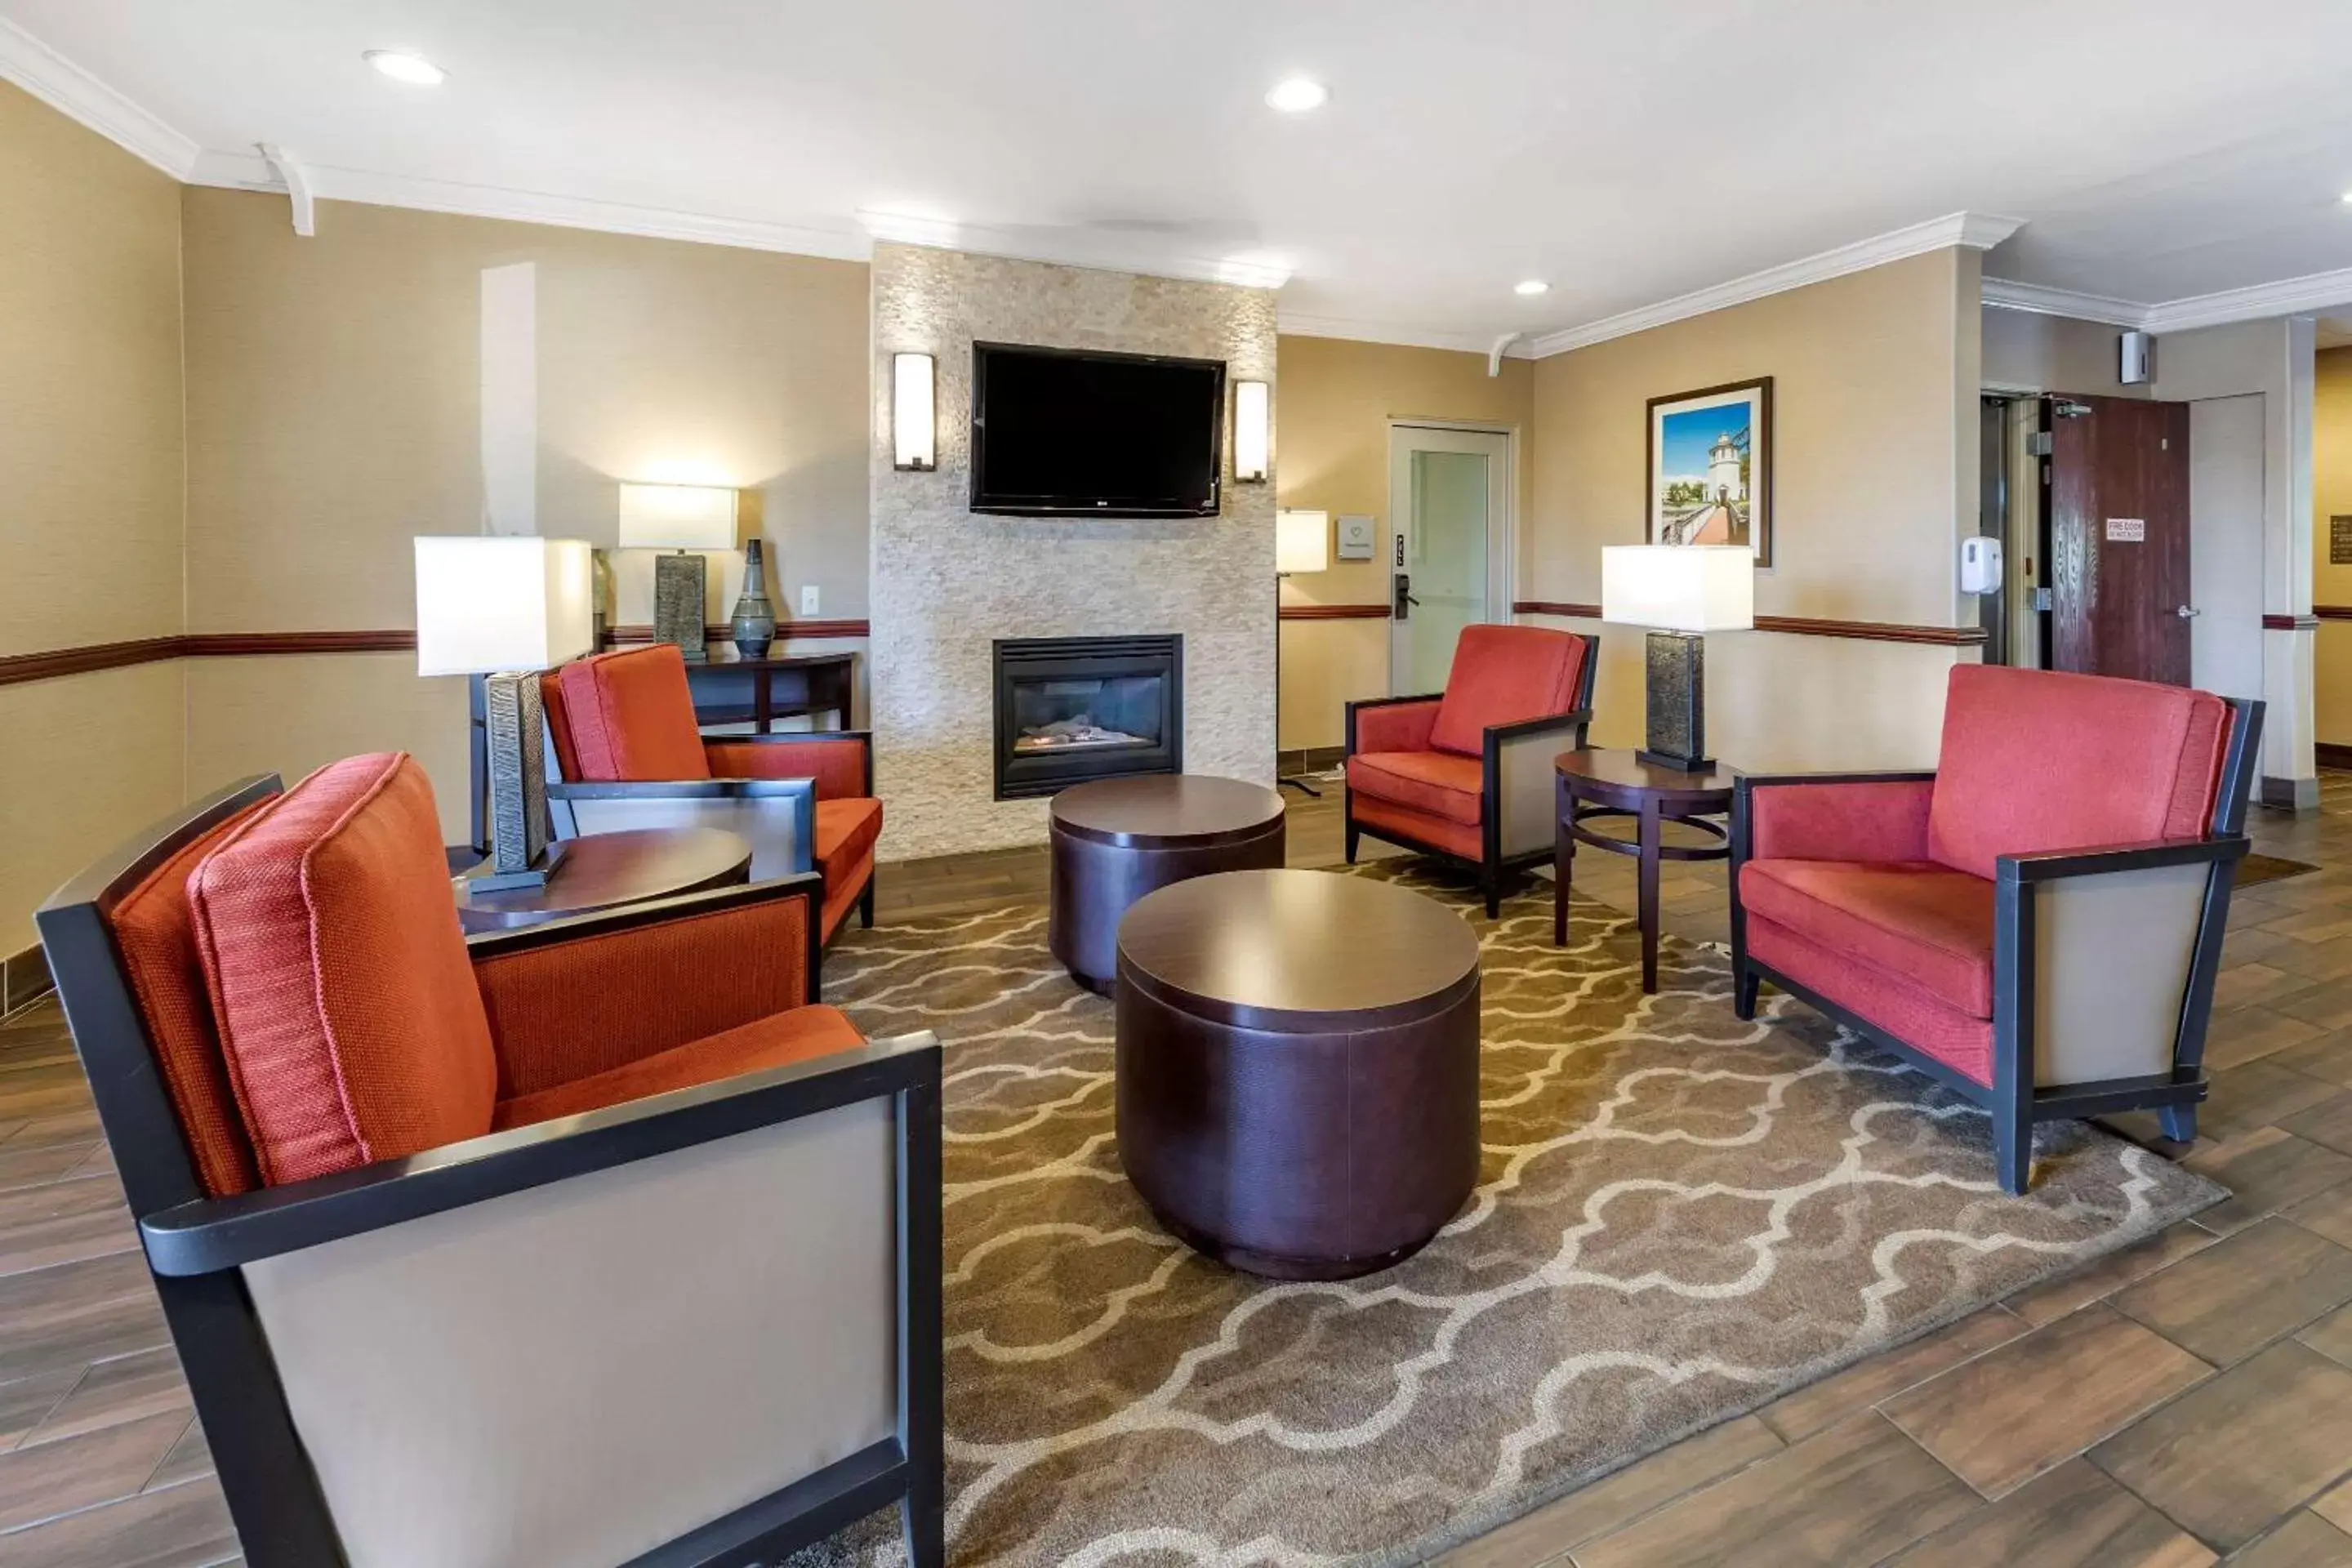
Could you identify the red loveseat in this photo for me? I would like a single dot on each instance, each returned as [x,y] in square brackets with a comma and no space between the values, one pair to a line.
[625,739]
[428,1214]
[2037,922]
[1467,774]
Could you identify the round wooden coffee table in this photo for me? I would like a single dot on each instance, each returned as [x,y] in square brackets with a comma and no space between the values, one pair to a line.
[1297,1068]
[1595,783]
[603,870]
[1115,840]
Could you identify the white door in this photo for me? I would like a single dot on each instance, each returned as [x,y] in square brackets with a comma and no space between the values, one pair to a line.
[2225,545]
[1448,546]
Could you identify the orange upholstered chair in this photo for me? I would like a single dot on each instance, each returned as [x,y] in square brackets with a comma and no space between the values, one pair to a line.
[2037,922]
[1467,774]
[627,753]
[418,1205]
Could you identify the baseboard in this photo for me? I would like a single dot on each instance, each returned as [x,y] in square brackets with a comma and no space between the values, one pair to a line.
[2331,755]
[24,979]
[1309,759]
[2291,795]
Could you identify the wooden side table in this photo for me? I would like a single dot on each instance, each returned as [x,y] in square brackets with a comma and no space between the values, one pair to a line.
[1596,784]
[603,870]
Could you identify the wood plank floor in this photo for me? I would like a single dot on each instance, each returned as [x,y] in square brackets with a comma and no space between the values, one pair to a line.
[2185,1402]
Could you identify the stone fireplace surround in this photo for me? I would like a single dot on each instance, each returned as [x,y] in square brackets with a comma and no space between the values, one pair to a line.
[947,583]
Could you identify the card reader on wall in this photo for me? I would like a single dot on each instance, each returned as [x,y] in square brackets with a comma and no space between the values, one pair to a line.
[1980,564]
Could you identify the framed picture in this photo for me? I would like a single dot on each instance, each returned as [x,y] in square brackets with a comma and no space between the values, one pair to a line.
[1710,466]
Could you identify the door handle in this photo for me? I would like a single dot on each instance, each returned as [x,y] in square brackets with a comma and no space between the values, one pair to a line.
[2186,610]
[1402,609]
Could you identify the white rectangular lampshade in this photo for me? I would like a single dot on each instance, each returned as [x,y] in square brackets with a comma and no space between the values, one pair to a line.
[914,423]
[1302,540]
[1679,588]
[677,517]
[487,603]
[1253,439]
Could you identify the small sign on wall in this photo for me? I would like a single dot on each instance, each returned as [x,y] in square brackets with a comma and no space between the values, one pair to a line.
[2339,541]
[1356,536]
[2127,531]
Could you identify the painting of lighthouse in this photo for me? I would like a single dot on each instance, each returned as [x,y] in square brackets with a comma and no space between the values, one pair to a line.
[1711,468]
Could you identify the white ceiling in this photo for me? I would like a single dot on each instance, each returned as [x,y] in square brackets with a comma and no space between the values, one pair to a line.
[1628,150]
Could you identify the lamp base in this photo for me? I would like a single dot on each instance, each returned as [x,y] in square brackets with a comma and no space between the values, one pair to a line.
[678,603]
[516,744]
[1676,736]
[531,879]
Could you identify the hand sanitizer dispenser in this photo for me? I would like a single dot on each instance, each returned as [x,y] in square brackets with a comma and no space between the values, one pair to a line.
[1980,564]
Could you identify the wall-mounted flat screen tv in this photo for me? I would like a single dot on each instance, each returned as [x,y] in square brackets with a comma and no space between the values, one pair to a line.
[1069,433]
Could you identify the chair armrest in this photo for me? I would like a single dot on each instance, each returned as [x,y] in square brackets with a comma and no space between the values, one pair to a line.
[1518,774]
[570,998]
[841,762]
[217,1234]
[1831,816]
[1392,723]
[2100,860]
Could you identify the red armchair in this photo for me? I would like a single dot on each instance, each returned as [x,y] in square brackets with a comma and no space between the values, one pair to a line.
[442,1226]
[621,731]
[1467,774]
[2038,922]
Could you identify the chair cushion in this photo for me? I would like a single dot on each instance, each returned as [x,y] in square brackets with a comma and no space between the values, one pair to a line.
[1923,924]
[558,719]
[1961,1043]
[774,1041]
[1502,675]
[630,715]
[1438,783]
[339,979]
[156,935]
[837,763]
[2035,761]
[1403,825]
[845,835]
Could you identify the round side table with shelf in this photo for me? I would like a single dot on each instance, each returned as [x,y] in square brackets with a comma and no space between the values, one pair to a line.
[1597,785]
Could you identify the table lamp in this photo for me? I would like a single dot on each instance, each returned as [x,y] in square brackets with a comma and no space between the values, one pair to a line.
[1302,542]
[1681,591]
[682,517]
[505,607]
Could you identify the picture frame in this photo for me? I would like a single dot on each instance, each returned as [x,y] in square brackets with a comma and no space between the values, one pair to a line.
[1708,459]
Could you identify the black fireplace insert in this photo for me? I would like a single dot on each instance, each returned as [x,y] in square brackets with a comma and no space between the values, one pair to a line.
[1073,709]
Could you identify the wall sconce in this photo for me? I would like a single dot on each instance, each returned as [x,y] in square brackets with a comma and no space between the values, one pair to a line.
[914,425]
[1250,433]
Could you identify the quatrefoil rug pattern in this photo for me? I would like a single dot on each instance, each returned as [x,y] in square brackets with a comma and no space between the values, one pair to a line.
[1679,1217]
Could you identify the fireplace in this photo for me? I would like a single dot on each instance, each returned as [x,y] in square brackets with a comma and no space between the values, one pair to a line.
[1073,709]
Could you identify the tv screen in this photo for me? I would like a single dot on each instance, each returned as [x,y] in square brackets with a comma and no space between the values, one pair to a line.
[1065,433]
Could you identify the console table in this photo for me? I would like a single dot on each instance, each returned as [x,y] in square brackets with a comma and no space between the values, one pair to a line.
[731,688]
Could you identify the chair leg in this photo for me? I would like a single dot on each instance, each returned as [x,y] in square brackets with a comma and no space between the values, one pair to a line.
[865,902]
[925,1523]
[1491,879]
[1352,834]
[2012,1152]
[1744,986]
[2178,1122]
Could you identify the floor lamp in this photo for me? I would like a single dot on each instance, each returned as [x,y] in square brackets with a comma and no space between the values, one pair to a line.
[505,607]
[1302,542]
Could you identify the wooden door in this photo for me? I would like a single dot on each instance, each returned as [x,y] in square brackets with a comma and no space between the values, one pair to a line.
[2118,511]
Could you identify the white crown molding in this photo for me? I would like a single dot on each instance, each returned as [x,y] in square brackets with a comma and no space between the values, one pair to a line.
[2288,297]
[1065,247]
[2007,294]
[80,96]
[237,171]
[1292,324]
[1973,231]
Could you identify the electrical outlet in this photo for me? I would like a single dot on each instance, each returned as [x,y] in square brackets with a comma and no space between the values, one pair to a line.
[808,598]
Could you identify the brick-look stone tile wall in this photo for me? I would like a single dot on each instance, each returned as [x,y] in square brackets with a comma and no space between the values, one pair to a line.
[945,582]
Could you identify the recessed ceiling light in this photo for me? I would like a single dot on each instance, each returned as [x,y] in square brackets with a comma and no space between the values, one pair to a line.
[1532,286]
[1298,94]
[2347,198]
[410,68]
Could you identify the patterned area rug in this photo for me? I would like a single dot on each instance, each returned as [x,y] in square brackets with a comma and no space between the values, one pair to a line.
[1679,1217]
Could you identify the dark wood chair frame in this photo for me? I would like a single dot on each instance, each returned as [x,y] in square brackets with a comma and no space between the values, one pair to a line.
[196,1245]
[2013,1100]
[1491,868]
[560,792]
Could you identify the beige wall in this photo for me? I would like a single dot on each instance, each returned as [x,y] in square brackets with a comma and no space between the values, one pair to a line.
[1875,396]
[2331,496]
[2025,351]
[90,518]
[1331,454]
[334,413]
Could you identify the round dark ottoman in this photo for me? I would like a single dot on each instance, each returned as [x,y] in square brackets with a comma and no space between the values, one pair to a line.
[1297,1068]
[1115,840]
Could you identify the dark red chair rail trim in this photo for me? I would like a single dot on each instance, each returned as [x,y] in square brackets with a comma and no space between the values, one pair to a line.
[2324,613]
[786,631]
[1333,612]
[1803,625]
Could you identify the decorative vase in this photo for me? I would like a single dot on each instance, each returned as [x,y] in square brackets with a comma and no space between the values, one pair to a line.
[754,622]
